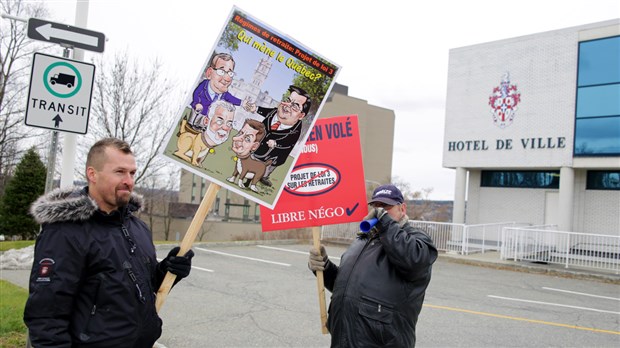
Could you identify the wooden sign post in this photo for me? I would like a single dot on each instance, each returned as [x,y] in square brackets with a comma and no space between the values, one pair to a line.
[188,240]
[316,238]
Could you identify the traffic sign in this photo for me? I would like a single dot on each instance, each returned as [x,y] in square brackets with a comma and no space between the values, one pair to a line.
[43,30]
[60,93]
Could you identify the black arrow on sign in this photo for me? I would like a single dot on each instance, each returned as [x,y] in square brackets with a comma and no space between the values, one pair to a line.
[57,121]
[40,29]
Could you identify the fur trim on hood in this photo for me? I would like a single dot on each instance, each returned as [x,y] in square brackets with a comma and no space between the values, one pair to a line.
[71,204]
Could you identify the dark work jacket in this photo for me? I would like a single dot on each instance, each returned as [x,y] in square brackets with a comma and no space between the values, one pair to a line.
[94,275]
[379,287]
[285,139]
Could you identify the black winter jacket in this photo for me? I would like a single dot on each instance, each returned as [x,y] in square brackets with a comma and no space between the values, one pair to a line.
[379,287]
[94,275]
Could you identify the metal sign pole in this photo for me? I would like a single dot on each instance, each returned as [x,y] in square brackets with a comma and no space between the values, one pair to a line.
[51,158]
[51,162]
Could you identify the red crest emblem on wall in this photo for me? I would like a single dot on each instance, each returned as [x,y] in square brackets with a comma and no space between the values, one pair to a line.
[504,101]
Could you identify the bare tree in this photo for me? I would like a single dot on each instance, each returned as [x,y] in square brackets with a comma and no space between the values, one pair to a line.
[420,206]
[15,60]
[137,105]
[205,228]
[171,196]
[159,192]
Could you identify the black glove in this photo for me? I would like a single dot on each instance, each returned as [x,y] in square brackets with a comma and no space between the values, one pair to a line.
[177,265]
[317,262]
[375,213]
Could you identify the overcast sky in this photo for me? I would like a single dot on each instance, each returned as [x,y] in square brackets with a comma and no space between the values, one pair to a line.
[394,54]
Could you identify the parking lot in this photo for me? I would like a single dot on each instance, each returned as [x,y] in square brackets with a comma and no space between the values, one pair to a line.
[265,296]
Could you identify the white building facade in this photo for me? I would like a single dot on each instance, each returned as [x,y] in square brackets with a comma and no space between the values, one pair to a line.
[533,129]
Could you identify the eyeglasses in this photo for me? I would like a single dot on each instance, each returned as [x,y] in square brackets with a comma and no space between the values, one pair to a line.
[295,106]
[220,122]
[221,72]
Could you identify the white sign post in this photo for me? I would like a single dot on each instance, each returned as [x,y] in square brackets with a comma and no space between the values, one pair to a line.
[60,94]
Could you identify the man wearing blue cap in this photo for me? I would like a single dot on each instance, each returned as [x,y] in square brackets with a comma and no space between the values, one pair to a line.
[379,287]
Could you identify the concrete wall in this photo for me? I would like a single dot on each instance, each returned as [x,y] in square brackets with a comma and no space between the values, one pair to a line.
[494,204]
[596,211]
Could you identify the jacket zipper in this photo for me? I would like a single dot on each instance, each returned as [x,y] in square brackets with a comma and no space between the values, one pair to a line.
[346,287]
[355,263]
[132,252]
[132,244]
[84,335]
[128,268]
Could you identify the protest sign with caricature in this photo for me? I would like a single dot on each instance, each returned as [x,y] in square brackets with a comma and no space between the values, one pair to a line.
[251,109]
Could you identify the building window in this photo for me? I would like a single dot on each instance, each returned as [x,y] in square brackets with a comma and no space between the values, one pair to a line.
[520,179]
[597,114]
[603,180]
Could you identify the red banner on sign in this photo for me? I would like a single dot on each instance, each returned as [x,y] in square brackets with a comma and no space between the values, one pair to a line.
[326,185]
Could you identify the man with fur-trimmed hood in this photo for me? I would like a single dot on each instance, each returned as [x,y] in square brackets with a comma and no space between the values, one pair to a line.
[95,272]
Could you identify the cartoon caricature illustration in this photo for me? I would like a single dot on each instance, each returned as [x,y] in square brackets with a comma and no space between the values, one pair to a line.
[208,132]
[219,76]
[252,69]
[243,144]
[283,126]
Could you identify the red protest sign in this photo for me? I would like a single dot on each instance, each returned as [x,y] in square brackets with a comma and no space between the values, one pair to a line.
[326,185]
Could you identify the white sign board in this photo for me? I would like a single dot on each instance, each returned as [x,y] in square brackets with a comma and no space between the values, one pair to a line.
[40,29]
[60,94]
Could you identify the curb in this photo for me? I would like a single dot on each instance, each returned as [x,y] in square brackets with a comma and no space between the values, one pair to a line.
[547,269]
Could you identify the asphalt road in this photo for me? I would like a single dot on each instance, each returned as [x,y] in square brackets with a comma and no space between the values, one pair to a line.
[265,296]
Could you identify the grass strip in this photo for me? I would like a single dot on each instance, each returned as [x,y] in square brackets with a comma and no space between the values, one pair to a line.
[12,327]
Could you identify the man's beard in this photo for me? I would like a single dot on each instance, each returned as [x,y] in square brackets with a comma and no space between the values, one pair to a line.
[215,138]
[123,199]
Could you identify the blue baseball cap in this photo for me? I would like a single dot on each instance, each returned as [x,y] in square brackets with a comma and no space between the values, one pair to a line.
[388,194]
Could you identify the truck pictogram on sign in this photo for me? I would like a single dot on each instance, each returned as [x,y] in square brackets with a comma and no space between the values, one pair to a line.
[63,79]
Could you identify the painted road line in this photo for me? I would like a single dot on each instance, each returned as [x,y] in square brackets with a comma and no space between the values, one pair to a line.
[582,293]
[292,251]
[523,319]
[554,304]
[245,257]
[203,269]
[198,268]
